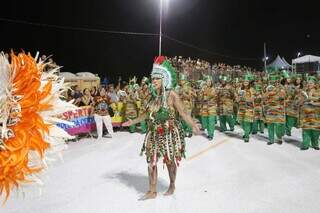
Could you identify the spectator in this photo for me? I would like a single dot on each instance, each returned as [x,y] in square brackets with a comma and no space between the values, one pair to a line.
[112,94]
[101,115]
[77,95]
[70,95]
[86,99]
[94,91]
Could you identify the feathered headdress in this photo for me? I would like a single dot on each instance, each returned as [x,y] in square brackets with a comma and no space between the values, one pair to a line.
[145,80]
[207,78]
[248,77]
[224,78]
[164,70]
[312,79]
[183,77]
[285,74]
[273,78]
[29,105]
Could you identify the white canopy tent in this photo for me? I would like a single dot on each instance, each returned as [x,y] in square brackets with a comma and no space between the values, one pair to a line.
[285,61]
[69,76]
[83,79]
[87,76]
[79,76]
[306,64]
[306,59]
[279,64]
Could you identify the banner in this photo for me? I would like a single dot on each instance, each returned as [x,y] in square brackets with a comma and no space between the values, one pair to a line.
[82,119]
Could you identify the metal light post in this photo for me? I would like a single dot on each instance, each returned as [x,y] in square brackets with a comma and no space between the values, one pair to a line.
[160,30]
[265,56]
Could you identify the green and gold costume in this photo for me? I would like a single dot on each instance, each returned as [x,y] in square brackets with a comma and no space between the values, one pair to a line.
[226,97]
[208,107]
[274,111]
[310,116]
[246,107]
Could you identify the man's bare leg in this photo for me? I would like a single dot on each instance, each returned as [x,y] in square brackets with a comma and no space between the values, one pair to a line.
[153,177]
[172,169]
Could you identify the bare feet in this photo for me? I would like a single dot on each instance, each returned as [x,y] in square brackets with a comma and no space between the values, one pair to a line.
[170,191]
[149,195]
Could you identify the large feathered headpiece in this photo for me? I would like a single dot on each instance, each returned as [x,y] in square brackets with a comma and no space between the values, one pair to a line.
[164,70]
[30,101]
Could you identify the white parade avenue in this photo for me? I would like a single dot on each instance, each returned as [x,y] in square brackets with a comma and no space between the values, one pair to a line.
[227,175]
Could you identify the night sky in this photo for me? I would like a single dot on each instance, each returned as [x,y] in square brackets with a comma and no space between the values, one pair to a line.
[235,28]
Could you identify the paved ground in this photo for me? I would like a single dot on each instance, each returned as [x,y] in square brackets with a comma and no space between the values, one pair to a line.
[226,175]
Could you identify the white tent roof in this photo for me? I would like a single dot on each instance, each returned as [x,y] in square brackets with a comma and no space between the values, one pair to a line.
[306,59]
[85,74]
[68,75]
[279,63]
[285,61]
[79,76]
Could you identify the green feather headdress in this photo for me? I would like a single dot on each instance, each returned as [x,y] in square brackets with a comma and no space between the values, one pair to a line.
[183,77]
[285,74]
[225,78]
[273,78]
[249,77]
[145,80]
[312,79]
[164,70]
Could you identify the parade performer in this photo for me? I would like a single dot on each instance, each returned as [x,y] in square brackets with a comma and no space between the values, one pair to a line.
[131,106]
[258,124]
[226,97]
[274,109]
[102,111]
[197,100]
[246,106]
[144,96]
[165,136]
[118,108]
[30,102]
[185,93]
[299,86]
[237,84]
[310,114]
[291,104]
[208,106]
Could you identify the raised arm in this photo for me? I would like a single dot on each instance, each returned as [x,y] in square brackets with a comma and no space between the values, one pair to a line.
[179,107]
[141,118]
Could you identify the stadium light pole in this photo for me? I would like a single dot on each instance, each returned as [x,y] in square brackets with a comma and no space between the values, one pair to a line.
[160,24]
[160,30]
[265,58]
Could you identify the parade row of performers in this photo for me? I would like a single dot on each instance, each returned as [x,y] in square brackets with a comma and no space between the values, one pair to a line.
[278,103]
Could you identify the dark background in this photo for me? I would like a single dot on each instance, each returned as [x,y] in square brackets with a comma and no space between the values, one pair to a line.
[236,28]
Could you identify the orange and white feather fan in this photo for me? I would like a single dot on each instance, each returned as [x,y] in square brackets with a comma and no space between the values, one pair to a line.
[30,101]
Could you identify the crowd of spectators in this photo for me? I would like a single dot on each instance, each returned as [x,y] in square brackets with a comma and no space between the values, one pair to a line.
[195,68]
[86,96]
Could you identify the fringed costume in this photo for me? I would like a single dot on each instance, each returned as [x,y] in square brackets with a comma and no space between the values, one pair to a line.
[165,137]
